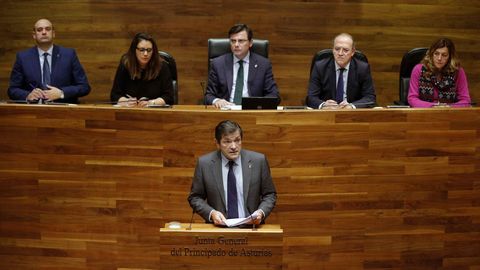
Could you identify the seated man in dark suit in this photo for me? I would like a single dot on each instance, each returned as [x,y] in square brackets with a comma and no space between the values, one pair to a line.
[231,182]
[47,72]
[341,82]
[228,83]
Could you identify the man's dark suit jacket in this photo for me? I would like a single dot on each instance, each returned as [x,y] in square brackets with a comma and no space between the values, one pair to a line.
[208,193]
[67,74]
[322,86]
[260,78]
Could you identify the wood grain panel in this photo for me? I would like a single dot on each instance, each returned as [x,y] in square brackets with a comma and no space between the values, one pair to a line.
[88,187]
[101,32]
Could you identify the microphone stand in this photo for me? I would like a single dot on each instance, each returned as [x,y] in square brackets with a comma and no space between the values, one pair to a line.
[191,221]
[253,223]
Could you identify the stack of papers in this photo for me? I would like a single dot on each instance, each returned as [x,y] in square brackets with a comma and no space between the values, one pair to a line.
[234,222]
[232,108]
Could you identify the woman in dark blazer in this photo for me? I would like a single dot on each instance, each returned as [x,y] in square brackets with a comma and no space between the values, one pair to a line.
[142,77]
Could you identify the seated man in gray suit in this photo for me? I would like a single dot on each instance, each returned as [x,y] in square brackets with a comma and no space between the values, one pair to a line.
[231,182]
[341,81]
[240,73]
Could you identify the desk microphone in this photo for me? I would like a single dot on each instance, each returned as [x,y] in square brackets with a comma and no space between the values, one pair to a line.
[204,92]
[253,222]
[191,220]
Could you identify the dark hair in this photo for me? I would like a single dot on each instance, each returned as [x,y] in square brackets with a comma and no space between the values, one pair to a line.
[452,64]
[131,63]
[237,28]
[35,28]
[227,127]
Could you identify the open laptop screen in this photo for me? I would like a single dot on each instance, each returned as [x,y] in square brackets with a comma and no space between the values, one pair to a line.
[259,103]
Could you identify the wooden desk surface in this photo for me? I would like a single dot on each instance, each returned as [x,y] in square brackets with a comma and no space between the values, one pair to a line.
[204,227]
[88,187]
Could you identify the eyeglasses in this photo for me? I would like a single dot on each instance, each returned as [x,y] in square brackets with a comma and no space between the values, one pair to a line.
[143,50]
[240,41]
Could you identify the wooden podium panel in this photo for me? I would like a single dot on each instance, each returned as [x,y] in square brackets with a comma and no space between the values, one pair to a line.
[206,246]
[87,187]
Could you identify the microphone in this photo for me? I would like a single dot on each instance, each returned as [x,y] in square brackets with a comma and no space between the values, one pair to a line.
[251,218]
[191,220]
[253,222]
[204,92]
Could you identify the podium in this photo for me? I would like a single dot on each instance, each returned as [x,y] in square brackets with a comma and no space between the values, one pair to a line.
[206,246]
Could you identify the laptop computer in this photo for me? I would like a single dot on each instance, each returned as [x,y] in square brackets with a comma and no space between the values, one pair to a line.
[259,103]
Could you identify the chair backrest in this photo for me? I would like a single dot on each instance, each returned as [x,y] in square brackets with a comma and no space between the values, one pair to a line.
[409,61]
[326,53]
[221,46]
[172,65]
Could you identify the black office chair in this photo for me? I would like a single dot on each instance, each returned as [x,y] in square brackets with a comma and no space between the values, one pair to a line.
[220,46]
[172,65]
[326,53]
[409,61]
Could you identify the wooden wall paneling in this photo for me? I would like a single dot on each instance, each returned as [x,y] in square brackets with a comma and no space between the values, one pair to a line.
[88,187]
[384,30]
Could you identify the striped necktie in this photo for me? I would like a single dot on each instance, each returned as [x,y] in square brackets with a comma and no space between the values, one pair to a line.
[46,71]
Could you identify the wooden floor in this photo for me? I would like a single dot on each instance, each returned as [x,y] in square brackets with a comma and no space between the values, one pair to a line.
[88,187]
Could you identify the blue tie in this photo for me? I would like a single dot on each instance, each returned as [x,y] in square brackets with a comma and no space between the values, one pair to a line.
[237,97]
[339,94]
[232,205]
[46,71]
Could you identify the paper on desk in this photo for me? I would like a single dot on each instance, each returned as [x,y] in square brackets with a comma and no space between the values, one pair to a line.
[233,222]
[232,108]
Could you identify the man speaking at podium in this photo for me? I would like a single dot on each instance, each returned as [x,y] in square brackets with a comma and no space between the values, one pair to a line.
[231,182]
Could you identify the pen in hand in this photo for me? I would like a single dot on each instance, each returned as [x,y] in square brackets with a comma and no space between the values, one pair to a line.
[130,102]
[36,94]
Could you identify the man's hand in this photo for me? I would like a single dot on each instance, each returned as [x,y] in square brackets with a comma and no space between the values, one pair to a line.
[219,103]
[345,105]
[258,219]
[52,93]
[218,218]
[330,105]
[36,94]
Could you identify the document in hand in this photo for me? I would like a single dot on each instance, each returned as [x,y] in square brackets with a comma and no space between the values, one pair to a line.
[233,222]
